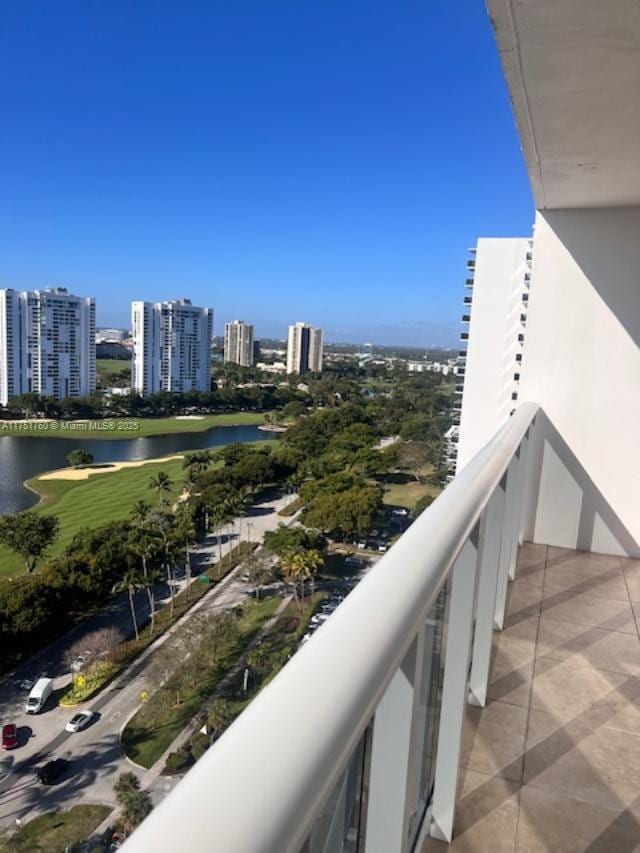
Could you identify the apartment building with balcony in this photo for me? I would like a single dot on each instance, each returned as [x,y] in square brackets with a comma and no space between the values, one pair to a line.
[47,344]
[480,688]
[239,343]
[171,347]
[494,320]
[304,349]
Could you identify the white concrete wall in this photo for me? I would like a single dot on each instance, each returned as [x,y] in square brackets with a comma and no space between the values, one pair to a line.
[582,364]
[493,341]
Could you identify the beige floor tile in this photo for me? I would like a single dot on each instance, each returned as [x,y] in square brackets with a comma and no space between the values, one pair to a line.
[493,740]
[590,610]
[531,563]
[523,601]
[633,586]
[609,650]
[553,822]
[600,765]
[566,690]
[587,562]
[631,568]
[486,816]
[609,584]
[511,684]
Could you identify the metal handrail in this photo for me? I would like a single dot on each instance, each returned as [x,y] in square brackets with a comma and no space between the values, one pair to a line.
[261,786]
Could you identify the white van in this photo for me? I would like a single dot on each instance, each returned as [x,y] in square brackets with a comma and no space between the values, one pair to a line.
[40,692]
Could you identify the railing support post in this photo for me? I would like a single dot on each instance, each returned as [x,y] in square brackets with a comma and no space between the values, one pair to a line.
[509,534]
[524,481]
[454,690]
[516,470]
[488,561]
[390,756]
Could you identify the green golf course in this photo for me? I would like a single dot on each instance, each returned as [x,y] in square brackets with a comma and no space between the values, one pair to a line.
[122,428]
[102,498]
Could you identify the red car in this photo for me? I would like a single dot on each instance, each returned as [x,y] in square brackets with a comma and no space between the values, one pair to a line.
[9,736]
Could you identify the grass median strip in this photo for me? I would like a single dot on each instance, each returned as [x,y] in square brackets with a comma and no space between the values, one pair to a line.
[263,662]
[169,710]
[54,831]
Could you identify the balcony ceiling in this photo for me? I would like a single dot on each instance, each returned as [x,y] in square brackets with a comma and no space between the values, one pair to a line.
[573,70]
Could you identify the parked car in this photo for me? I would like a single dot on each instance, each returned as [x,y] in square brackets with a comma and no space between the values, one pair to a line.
[40,692]
[399,510]
[52,771]
[79,721]
[353,560]
[28,681]
[9,736]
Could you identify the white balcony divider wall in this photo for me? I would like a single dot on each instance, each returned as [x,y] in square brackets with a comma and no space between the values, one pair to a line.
[582,365]
[355,745]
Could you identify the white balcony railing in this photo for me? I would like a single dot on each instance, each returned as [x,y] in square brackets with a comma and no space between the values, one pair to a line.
[355,745]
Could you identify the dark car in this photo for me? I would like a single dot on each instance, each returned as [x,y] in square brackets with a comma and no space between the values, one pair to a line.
[9,736]
[52,771]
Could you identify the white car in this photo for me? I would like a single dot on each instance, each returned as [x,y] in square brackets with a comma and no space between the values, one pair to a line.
[79,721]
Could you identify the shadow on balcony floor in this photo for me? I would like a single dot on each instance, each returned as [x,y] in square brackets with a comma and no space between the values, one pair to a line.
[553,762]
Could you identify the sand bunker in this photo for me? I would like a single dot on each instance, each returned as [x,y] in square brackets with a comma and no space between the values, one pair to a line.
[107,468]
[189,417]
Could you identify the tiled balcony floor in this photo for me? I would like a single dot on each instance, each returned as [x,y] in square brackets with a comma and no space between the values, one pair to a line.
[553,762]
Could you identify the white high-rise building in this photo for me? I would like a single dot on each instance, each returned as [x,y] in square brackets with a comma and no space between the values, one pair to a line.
[172,347]
[238,343]
[47,344]
[495,311]
[304,349]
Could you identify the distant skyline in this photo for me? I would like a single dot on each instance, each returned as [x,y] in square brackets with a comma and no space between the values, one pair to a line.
[277,162]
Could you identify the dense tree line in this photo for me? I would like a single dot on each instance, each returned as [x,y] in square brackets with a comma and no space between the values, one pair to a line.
[255,398]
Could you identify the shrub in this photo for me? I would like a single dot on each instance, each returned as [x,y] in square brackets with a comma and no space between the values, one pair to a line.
[287,624]
[199,744]
[95,679]
[179,760]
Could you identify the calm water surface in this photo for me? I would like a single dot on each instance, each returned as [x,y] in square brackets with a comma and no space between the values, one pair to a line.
[26,457]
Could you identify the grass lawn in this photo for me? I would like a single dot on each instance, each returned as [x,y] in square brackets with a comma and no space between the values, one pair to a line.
[119,366]
[409,493]
[94,502]
[137,427]
[55,831]
[145,738]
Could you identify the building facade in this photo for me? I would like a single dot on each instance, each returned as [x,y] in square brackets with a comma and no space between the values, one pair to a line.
[47,344]
[490,366]
[171,347]
[238,343]
[304,349]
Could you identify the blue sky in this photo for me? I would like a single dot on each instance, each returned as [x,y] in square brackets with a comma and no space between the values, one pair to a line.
[328,161]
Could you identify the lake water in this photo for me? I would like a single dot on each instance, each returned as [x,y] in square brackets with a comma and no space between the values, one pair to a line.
[26,457]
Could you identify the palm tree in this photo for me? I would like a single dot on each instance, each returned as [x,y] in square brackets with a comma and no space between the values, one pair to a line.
[184,534]
[298,565]
[162,523]
[309,560]
[234,507]
[139,512]
[130,582]
[196,463]
[162,484]
[143,544]
[124,785]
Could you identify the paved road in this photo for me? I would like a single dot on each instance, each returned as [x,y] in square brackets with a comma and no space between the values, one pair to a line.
[96,755]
